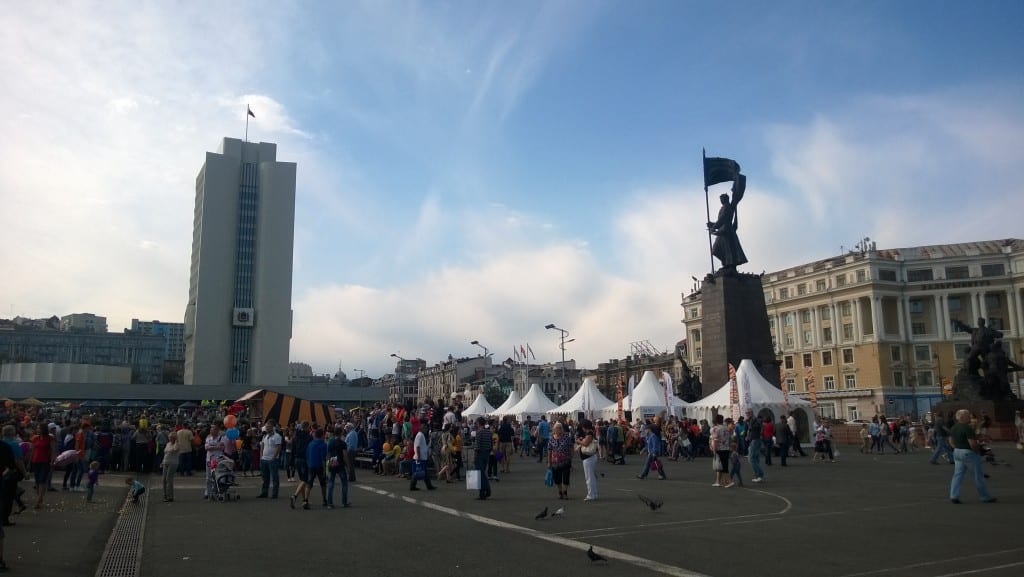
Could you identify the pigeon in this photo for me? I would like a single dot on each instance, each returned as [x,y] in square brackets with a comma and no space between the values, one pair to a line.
[541,515]
[654,505]
[594,556]
[559,512]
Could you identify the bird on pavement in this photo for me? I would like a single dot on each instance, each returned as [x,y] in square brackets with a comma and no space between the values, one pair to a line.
[594,556]
[559,512]
[541,515]
[654,505]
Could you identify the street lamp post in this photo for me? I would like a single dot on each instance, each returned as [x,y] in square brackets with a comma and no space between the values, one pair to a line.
[561,345]
[477,343]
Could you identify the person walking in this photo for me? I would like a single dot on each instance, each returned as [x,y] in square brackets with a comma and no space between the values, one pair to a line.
[965,456]
[720,452]
[483,444]
[587,445]
[543,435]
[755,448]
[270,461]
[783,437]
[421,456]
[559,452]
[941,433]
[337,460]
[653,462]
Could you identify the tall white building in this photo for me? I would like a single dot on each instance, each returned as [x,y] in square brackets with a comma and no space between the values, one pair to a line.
[238,322]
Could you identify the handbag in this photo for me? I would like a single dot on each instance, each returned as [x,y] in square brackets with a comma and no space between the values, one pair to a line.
[716,463]
[588,450]
[549,478]
[419,470]
[473,480]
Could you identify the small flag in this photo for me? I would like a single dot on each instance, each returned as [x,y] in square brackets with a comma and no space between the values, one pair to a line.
[785,387]
[668,385]
[529,350]
[522,351]
[811,389]
[718,170]
[515,353]
[734,394]
[632,384]
[249,110]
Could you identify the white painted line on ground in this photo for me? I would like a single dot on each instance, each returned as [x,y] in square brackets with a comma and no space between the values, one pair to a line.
[609,553]
[753,521]
[939,562]
[983,570]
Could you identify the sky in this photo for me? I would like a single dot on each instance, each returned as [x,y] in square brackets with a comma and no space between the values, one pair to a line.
[478,170]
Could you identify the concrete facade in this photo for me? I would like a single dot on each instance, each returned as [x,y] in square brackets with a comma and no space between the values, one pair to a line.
[144,355]
[238,321]
[875,327]
[65,373]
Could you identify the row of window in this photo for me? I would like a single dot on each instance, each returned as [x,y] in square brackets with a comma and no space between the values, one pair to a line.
[826,359]
[828,383]
[955,272]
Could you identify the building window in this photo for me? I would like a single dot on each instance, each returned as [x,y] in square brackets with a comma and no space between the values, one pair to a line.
[847,356]
[693,312]
[827,410]
[801,289]
[698,352]
[992,270]
[924,379]
[826,335]
[820,285]
[960,352]
[922,353]
[768,297]
[805,316]
[897,378]
[788,360]
[920,274]
[829,382]
[862,275]
[957,272]
[896,353]
[954,304]
[807,359]
[841,280]
[825,313]
[850,381]
[784,293]
[848,332]
[808,337]
[791,385]
[787,319]
[826,358]
[918,328]
[887,274]
[995,323]
[696,336]
[992,301]
[789,341]
[851,413]
[916,306]
[845,309]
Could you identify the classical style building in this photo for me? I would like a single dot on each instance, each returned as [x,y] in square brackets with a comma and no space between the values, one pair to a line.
[878,329]
[238,321]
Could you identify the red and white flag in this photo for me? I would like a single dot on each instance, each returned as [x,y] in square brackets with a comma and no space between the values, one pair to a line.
[734,394]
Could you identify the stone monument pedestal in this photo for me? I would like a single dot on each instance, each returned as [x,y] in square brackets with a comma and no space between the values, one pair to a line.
[1001,413]
[735,327]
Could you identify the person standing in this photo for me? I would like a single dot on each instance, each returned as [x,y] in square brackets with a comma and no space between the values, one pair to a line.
[216,446]
[8,465]
[185,435]
[587,445]
[481,453]
[754,431]
[44,452]
[783,436]
[506,446]
[965,455]
[270,463]
[798,451]
[421,456]
[337,460]
[768,440]
[720,452]
[559,452]
[352,445]
[170,461]
[543,434]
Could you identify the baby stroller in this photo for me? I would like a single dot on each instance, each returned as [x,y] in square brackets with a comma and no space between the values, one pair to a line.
[986,453]
[222,474]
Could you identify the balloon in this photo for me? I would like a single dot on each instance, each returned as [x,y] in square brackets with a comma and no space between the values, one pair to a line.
[387,447]
[238,444]
[233,434]
[230,421]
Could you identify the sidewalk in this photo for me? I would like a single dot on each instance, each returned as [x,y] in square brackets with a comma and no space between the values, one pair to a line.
[67,536]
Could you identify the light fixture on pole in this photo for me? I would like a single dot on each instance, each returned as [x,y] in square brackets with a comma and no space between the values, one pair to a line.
[477,343]
[561,345]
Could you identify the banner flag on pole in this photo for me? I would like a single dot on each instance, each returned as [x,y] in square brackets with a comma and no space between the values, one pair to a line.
[718,170]
[618,398]
[785,387]
[529,350]
[734,394]
[632,383]
[668,385]
[811,389]
[249,110]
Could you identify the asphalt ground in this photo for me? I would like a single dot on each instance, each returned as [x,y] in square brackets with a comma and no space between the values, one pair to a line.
[879,515]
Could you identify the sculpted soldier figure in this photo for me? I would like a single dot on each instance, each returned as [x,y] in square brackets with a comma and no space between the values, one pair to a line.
[727,247]
[982,338]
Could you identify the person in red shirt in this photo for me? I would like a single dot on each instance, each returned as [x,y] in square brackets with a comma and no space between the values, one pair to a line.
[44,451]
[768,436]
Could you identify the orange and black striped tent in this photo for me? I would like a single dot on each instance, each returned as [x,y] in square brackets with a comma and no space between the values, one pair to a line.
[287,409]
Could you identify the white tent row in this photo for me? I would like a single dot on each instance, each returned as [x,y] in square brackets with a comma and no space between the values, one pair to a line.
[588,400]
[478,408]
[647,400]
[512,400]
[755,393]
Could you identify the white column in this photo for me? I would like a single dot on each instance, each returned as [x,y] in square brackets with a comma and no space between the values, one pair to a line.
[858,330]
[940,316]
[876,307]
[1011,312]
[815,328]
[975,309]
[780,332]
[982,307]
[901,318]
[1019,312]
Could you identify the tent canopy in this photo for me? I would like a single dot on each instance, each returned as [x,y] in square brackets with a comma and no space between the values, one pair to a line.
[648,399]
[478,408]
[510,402]
[534,404]
[286,409]
[755,393]
[588,399]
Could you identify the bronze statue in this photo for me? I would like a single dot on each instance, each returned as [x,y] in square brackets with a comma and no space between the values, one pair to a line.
[727,247]
[982,339]
[985,373]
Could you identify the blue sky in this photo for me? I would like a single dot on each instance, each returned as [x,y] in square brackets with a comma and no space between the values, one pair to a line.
[477,170]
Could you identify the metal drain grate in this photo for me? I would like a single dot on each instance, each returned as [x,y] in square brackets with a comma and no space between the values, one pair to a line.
[123,553]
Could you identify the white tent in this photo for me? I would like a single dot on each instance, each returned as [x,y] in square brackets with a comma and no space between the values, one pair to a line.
[510,402]
[588,399]
[534,404]
[648,400]
[479,408]
[755,393]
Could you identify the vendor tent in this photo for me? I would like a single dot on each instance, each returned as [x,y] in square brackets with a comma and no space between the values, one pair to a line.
[588,400]
[510,402]
[647,400]
[534,404]
[755,393]
[479,408]
[286,409]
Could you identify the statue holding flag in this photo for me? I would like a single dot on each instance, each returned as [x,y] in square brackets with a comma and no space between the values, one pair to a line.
[726,246]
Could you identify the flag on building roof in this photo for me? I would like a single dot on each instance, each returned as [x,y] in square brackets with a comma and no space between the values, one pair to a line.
[249,110]
[529,350]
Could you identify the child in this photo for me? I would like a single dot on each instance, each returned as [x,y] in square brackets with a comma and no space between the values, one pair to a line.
[137,489]
[93,479]
[169,462]
[735,463]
